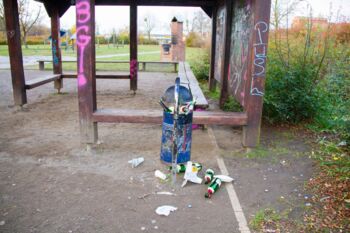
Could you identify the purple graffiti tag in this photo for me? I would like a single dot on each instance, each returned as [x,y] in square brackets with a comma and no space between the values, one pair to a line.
[82,41]
[81,80]
[133,68]
[83,16]
[259,62]
[83,10]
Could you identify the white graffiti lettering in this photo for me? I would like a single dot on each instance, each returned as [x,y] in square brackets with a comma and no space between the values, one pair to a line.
[259,63]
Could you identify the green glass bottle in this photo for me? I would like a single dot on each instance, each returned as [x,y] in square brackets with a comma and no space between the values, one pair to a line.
[208,177]
[181,168]
[213,187]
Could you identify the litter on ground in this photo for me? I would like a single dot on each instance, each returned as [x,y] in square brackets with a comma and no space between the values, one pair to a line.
[165,210]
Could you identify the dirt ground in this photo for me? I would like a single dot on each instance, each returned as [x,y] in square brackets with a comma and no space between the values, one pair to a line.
[50,183]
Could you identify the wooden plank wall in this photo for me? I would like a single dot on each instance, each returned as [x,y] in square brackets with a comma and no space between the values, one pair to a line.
[226,53]
[219,40]
[242,24]
[212,81]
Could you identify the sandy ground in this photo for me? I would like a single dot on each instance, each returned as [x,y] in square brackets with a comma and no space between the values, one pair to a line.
[49,183]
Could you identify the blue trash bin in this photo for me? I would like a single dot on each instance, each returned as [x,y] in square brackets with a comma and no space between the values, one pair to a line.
[184,127]
[184,138]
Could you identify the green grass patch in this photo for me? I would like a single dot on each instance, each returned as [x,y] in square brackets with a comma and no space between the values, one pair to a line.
[45,50]
[214,95]
[265,217]
[258,152]
[335,160]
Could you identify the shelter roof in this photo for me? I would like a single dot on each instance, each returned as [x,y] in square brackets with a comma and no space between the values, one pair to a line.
[63,5]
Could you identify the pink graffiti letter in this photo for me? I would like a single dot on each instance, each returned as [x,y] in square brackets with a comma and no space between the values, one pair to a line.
[83,11]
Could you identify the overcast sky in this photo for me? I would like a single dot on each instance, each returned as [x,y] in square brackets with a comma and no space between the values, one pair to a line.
[111,17]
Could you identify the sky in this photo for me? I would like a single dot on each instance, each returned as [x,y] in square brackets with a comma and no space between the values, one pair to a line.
[111,17]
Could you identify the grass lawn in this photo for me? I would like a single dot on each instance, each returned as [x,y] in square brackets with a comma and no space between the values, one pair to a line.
[45,50]
[192,54]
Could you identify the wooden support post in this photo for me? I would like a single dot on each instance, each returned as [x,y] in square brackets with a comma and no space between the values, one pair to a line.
[56,47]
[133,46]
[256,68]
[212,81]
[85,13]
[15,52]
[41,65]
[227,50]
[143,66]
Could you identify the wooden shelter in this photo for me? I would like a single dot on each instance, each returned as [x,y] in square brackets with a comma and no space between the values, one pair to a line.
[238,58]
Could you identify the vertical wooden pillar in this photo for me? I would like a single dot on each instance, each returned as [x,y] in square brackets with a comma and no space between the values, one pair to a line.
[85,21]
[56,47]
[256,82]
[212,81]
[227,48]
[15,51]
[133,46]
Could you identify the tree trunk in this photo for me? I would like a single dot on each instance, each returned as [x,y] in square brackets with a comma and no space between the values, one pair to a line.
[25,40]
[149,36]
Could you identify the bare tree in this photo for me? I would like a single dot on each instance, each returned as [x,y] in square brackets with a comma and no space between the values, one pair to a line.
[28,17]
[149,21]
[281,11]
[201,23]
[2,17]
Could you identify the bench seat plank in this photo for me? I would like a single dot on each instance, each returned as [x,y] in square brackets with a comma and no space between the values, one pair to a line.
[186,76]
[105,75]
[30,84]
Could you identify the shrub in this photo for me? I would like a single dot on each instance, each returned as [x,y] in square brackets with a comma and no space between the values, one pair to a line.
[201,66]
[308,80]
[296,65]
[334,114]
[194,40]
[291,94]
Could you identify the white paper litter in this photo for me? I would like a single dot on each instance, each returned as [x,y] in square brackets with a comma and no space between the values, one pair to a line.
[191,175]
[135,162]
[165,193]
[160,175]
[165,210]
[224,178]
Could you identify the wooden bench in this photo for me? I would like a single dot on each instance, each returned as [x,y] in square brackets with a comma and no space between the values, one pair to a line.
[104,75]
[175,64]
[187,77]
[143,63]
[41,81]
[155,116]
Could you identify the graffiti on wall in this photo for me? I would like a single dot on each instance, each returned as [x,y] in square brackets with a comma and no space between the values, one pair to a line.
[240,37]
[11,33]
[83,39]
[54,52]
[219,42]
[259,48]
[133,68]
